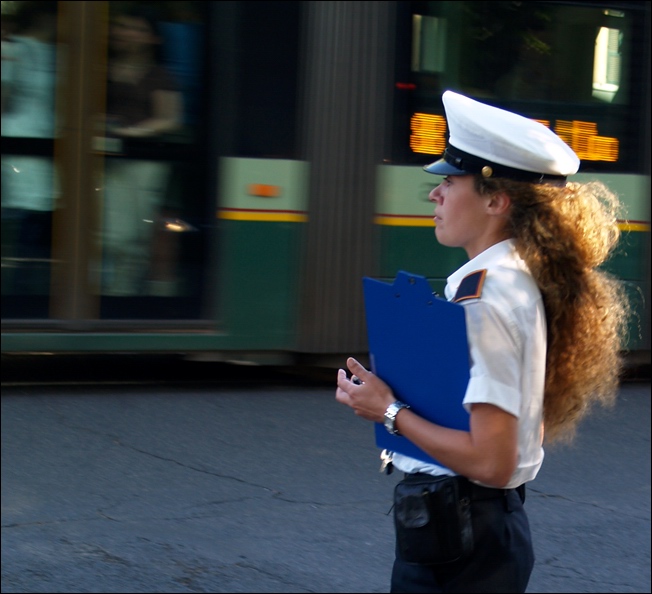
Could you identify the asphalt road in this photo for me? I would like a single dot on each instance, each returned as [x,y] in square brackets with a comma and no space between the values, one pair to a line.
[226,479]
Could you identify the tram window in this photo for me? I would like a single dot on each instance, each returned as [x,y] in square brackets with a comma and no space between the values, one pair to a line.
[607,64]
[266,55]
[30,189]
[572,65]
[428,43]
[154,195]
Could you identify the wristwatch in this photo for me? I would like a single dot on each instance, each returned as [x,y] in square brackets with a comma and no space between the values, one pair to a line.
[390,416]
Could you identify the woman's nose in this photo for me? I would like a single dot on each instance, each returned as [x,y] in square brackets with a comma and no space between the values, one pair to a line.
[434,195]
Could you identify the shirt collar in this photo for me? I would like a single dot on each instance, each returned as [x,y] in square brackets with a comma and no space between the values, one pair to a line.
[486,259]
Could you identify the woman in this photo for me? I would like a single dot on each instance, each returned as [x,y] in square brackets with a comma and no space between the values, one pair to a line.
[544,327]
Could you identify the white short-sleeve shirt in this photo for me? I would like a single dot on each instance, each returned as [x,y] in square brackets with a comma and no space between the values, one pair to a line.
[506,328]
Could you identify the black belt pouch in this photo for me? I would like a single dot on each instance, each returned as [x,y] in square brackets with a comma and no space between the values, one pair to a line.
[432,520]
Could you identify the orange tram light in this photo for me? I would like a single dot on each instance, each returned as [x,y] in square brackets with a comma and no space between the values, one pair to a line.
[428,133]
[428,136]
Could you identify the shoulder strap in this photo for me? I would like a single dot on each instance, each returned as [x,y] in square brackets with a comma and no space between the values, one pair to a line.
[471,286]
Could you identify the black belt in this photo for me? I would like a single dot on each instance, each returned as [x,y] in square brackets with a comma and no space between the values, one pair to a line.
[472,490]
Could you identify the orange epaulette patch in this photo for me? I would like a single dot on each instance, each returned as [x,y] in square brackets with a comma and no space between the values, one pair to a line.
[471,286]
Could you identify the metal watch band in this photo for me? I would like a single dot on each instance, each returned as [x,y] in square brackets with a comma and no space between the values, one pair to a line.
[390,416]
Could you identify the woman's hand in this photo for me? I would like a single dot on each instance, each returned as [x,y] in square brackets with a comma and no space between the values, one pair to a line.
[487,453]
[368,399]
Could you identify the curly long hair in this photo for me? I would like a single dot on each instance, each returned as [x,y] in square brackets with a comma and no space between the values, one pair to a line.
[564,234]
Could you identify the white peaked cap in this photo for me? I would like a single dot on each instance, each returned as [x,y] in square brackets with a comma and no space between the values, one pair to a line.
[498,143]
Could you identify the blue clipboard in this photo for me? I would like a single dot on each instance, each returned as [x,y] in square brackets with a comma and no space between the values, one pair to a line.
[418,346]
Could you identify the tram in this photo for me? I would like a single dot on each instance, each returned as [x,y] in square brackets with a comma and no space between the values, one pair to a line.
[281,162]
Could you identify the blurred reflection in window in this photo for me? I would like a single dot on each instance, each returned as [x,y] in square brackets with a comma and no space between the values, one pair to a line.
[144,105]
[29,187]
[182,33]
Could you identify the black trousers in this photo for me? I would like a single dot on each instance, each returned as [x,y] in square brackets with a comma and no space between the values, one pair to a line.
[502,557]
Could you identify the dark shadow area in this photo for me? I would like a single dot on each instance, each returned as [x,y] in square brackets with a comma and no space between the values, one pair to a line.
[173,368]
[152,369]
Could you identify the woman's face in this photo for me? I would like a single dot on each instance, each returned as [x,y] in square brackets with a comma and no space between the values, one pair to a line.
[461,217]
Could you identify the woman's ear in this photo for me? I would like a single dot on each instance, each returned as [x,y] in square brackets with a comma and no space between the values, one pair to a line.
[499,203]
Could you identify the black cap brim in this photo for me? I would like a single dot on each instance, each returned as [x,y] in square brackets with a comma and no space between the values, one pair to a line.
[442,167]
[471,165]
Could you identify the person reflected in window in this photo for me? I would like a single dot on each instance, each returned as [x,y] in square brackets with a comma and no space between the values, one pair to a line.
[143,103]
[29,185]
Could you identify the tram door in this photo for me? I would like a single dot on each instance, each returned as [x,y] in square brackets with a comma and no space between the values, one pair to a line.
[107,207]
